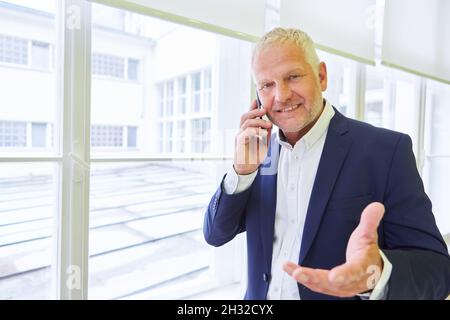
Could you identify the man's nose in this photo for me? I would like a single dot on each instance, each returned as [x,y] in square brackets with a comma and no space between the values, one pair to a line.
[283,93]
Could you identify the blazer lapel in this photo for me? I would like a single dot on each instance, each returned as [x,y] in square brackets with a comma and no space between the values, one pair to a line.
[268,198]
[335,150]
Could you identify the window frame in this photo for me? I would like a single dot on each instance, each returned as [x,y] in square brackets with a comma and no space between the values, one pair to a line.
[72,140]
[359,96]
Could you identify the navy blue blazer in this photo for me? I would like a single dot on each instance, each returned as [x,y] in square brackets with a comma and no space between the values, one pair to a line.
[359,164]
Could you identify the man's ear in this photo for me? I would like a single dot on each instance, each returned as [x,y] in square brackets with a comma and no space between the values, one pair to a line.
[323,78]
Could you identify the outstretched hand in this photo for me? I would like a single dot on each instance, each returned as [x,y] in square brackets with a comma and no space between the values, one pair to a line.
[363,266]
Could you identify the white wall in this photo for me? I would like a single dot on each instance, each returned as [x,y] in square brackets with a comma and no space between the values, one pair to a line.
[27,95]
[36,27]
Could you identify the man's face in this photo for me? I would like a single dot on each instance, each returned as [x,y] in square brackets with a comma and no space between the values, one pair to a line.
[289,89]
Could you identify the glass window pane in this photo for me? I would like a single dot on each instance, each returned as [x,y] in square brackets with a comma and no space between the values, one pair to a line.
[146,239]
[437,151]
[176,80]
[131,136]
[160,99]
[392,101]
[169,98]
[13,49]
[201,135]
[39,135]
[27,211]
[437,188]
[13,134]
[27,32]
[161,136]
[170,108]
[181,133]
[169,136]
[182,95]
[106,136]
[342,78]
[196,91]
[377,106]
[374,113]
[40,55]
[108,65]
[133,69]
[207,90]
[438,102]
[196,82]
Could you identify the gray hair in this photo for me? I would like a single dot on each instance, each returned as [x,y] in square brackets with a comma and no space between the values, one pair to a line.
[289,35]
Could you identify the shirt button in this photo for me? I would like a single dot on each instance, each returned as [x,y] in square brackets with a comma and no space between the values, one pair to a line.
[266,277]
[292,188]
[296,157]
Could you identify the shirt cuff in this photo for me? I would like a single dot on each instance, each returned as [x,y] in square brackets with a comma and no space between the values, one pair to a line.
[235,183]
[381,288]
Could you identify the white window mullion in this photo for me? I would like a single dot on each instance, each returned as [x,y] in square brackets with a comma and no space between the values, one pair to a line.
[360,92]
[73,218]
[427,135]
[421,126]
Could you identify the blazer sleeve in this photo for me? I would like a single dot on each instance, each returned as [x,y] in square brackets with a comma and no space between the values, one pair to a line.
[410,238]
[225,216]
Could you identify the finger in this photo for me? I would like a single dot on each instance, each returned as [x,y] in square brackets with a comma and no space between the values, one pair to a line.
[302,274]
[370,219]
[256,123]
[254,105]
[252,133]
[290,267]
[312,276]
[318,280]
[256,113]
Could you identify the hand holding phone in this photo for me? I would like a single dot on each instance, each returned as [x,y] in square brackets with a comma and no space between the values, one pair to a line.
[252,141]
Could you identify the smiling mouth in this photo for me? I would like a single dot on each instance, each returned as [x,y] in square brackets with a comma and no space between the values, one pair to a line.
[291,108]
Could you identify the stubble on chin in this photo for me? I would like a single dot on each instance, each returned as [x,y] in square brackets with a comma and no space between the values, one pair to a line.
[312,114]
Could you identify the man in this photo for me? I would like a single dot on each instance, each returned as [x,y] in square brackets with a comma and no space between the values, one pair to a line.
[337,209]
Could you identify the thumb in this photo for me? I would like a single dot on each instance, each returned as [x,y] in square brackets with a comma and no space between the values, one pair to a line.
[370,219]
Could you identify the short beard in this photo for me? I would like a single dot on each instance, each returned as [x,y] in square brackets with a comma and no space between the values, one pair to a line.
[318,106]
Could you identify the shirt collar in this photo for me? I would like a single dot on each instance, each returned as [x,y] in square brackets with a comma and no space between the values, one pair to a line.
[313,135]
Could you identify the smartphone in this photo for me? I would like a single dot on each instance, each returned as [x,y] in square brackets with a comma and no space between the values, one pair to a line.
[260,106]
[258,102]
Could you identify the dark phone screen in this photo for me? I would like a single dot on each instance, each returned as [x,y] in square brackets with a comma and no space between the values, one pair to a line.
[258,102]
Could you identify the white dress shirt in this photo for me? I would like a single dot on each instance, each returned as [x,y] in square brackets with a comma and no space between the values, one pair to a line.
[297,167]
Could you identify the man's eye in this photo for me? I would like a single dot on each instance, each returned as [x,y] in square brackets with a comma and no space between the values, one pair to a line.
[294,77]
[266,86]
